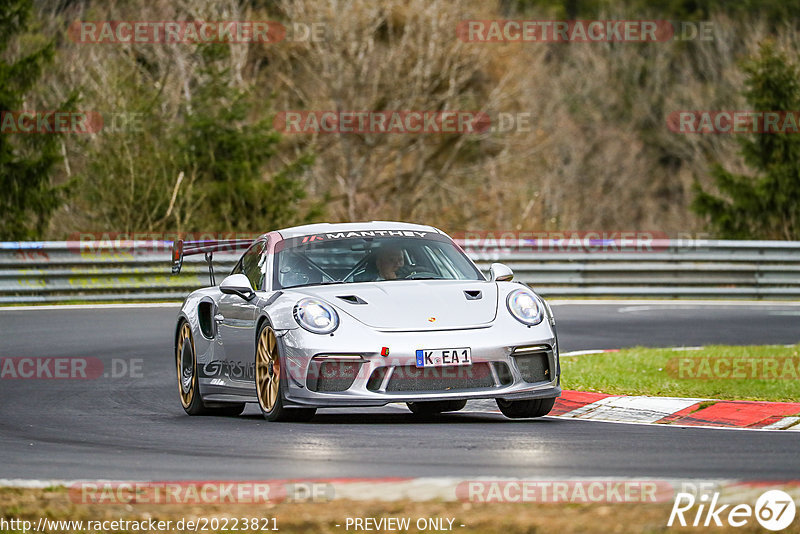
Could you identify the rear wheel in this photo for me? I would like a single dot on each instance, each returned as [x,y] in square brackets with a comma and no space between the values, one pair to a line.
[270,380]
[526,408]
[188,386]
[434,407]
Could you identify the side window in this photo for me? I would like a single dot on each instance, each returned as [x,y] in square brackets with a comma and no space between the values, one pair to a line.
[252,265]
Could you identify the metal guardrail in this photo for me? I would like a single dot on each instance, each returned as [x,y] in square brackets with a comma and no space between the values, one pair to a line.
[33,272]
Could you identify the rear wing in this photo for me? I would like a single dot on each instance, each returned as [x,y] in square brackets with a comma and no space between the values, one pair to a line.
[181,249]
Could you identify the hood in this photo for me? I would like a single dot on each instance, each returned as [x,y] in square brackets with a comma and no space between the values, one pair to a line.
[411,304]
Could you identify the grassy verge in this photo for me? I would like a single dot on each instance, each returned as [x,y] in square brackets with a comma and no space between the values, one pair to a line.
[767,373]
[506,518]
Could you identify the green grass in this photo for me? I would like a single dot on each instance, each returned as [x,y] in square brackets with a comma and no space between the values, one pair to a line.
[768,373]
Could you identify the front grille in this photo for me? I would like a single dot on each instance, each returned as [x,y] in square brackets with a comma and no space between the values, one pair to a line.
[329,376]
[411,378]
[534,367]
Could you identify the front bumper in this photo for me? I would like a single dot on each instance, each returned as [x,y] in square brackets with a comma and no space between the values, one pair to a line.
[510,361]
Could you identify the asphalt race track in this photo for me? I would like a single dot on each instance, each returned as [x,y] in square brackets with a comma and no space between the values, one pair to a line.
[133,428]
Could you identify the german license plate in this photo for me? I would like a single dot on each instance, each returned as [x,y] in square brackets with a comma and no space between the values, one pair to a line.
[444,357]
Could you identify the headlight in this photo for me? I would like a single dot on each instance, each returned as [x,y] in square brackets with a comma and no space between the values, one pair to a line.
[524,307]
[316,316]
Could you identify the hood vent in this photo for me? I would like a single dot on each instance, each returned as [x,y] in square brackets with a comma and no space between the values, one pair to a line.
[352,299]
[473,294]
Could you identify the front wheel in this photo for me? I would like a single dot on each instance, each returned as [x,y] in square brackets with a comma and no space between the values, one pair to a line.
[188,386]
[526,408]
[434,407]
[270,382]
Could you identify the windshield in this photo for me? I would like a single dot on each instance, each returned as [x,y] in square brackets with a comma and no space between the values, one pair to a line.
[360,257]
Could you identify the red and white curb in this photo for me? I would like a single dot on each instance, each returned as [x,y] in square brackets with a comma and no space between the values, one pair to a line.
[675,410]
[678,411]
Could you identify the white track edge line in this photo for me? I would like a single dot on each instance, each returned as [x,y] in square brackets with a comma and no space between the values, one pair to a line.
[175,304]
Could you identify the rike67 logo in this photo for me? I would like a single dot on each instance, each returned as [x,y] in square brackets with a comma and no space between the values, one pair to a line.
[774,510]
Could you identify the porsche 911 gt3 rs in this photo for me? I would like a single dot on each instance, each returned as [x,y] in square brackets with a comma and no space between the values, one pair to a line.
[362,314]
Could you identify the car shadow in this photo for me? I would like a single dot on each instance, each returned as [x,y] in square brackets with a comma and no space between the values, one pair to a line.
[399,418]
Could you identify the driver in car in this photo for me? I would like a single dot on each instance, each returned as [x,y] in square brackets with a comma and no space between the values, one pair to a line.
[390,263]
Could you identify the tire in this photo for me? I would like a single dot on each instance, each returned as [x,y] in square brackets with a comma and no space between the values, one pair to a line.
[434,407]
[526,408]
[271,382]
[188,386]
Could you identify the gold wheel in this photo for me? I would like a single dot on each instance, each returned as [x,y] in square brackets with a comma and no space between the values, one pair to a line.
[268,369]
[185,361]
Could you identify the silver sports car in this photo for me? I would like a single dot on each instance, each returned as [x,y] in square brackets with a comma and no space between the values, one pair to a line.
[361,314]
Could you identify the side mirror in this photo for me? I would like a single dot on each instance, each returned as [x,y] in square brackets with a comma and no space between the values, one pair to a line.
[501,273]
[238,284]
